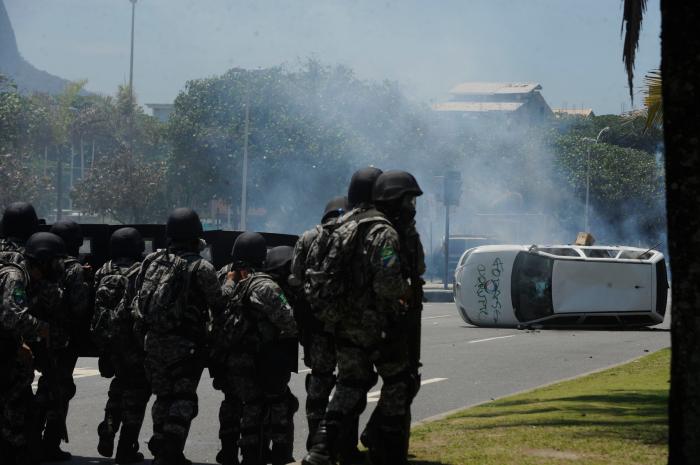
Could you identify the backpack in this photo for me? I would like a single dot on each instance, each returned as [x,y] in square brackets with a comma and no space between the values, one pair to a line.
[162,298]
[238,328]
[332,279]
[110,305]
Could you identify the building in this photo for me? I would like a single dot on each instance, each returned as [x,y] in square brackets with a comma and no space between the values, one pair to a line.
[519,102]
[573,112]
[162,111]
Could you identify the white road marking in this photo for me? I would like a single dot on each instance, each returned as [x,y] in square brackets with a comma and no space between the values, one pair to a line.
[374,395]
[307,370]
[78,372]
[433,317]
[491,339]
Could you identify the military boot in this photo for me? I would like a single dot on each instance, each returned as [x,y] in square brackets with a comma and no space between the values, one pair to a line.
[51,442]
[252,455]
[313,427]
[228,455]
[282,453]
[390,449]
[106,431]
[348,453]
[321,452]
[128,447]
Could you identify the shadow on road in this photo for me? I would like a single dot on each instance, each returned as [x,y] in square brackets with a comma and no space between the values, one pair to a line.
[79,460]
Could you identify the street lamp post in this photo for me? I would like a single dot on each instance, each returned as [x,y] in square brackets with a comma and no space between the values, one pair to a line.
[588,173]
[131,60]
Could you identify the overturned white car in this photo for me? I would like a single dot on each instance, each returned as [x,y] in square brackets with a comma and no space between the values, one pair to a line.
[561,286]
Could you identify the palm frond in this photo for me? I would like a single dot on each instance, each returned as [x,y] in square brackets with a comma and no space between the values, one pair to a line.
[632,15]
[653,99]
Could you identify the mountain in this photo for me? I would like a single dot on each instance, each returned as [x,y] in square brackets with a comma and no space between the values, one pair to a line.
[27,77]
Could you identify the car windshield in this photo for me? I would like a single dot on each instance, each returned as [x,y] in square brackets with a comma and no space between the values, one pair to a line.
[531,286]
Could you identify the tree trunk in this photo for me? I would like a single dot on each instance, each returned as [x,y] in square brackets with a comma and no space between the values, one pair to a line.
[680,68]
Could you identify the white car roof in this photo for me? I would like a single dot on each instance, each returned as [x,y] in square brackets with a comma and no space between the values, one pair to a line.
[620,251]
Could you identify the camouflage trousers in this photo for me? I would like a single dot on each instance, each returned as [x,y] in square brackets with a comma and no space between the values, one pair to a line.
[267,406]
[356,375]
[173,367]
[54,392]
[16,404]
[128,391]
[319,355]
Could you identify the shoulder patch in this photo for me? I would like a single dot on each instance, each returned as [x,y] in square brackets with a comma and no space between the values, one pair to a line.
[283,299]
[388,255]
[19,295]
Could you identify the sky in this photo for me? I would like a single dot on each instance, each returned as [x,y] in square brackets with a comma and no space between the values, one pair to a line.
[573,48]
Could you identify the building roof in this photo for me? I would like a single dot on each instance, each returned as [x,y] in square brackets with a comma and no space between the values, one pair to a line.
[478,107]
[584,112]
[160,106]
[492,88]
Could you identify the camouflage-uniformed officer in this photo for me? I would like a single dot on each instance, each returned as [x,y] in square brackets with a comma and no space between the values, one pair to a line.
[319,347]
[112,329]
[278,265]
[64,316]
[259,326]
[19,221]
[371,334]
[231,407]
[43,262]
[176,288]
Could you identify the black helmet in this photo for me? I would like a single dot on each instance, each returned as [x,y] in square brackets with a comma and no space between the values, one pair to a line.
[44,247]
[334,208]
[392,185]
[361,186]
[71,234]
[279,257]
[184,225]
[126,242]
[19,220]
[249,250]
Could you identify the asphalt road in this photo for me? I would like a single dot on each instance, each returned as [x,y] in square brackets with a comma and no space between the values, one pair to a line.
[463,365]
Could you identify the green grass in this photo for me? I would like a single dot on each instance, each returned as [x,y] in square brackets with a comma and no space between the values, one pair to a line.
[617,416]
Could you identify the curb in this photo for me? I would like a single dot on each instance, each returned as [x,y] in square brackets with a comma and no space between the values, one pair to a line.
[438,295]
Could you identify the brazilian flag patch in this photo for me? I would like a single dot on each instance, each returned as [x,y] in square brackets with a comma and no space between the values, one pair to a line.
[388,256]
[19,295]
[284,300]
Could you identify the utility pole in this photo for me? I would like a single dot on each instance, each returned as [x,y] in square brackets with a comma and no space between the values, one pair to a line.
[131,82]
[244,186]
[452,191]
[445,279]
[59,184]
[588,174]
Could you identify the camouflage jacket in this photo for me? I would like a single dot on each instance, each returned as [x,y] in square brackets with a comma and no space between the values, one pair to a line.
[301,251]
[11,251]
[204,298]
[15,320]
[71,299]
[264,306]
[379,260]
[412,253]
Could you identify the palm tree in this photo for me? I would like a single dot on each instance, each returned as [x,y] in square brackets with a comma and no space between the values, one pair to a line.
[653,99]
[680,92]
